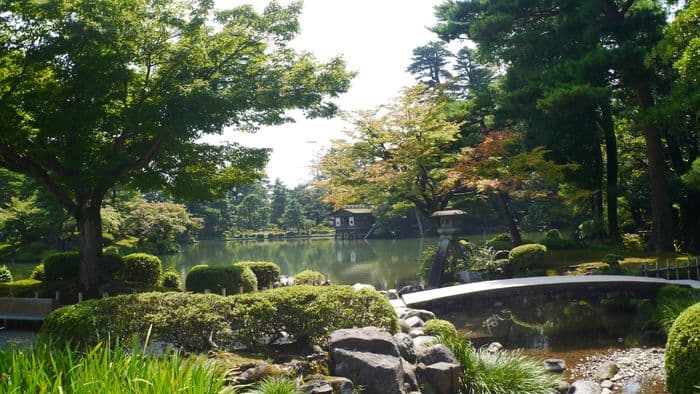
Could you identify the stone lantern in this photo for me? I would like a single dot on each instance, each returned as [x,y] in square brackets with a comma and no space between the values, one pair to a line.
[449,226]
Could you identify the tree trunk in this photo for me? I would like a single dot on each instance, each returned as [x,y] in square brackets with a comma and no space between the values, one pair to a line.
[597,198]
[90,241]
[611,170]
[662,223]
[512,225]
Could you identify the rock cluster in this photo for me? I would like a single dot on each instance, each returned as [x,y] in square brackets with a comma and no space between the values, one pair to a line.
[381,363]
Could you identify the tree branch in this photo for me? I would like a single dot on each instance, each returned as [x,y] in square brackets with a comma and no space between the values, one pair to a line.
[142,161]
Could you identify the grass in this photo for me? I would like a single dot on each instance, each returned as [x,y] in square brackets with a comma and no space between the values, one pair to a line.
[499,373]
[46,368]
[276,385]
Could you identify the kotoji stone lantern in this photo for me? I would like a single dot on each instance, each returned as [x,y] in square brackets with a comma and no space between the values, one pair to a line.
[450,225]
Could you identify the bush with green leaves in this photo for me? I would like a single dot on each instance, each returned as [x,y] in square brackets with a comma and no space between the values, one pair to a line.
[171,280]
[669,303]
[276,385]
[266,272]
[214,278]
[38,273]
[500,241]
[309,277]
[682,357]
[193,321]
[5,274]
[500,372]
[112,264]
[527,256]
[62,266]
[554,240]
[141,267]
[552,235]
[440,328]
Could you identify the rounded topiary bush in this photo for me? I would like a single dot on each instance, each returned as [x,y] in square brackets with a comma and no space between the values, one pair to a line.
[441,328]
[229,277]
[38,273]
[682,362]
[141,267]
[309,277]
[267,273]
[62,266]
[526,256]
[5,274]
[171,280]
[552,235]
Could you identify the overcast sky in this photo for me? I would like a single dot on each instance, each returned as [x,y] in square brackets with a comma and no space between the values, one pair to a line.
[376,38]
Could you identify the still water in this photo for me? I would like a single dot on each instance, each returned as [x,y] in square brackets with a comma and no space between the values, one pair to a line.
[381,262]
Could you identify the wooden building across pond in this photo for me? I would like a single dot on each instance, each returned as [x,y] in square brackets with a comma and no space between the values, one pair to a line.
[352,222]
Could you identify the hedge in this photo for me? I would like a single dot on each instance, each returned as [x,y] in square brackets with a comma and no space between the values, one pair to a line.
[62,266]
[527,256]
[214,278]
[112,264]
[306,313]
[682,358]
[309,277]
[171,280]
[267,273]
[141,267]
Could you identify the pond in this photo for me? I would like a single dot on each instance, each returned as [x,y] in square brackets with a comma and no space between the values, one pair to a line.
[380,262]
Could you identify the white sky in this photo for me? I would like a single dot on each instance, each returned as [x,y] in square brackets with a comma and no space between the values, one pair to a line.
[376,38]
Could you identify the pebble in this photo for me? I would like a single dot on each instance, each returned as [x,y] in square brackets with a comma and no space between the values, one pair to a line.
[636,365]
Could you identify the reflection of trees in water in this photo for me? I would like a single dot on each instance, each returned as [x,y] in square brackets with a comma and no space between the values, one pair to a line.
[378,261]
[536,324]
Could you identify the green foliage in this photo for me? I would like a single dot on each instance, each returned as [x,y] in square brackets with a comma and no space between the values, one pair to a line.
[500,372]
[62,266]
[5,274]
[48,368]
[500,241]
[157,225]
[668,305]
[171,280]
[112,264]
[267,273]
[20,288]
[633,241]
[552,235]
[613,260]
[440,328]
[692,177]
[141,267]
[309,277]
[214,278]
[276,385]
[682,357]
[527,256]
[305,313]
[38,273]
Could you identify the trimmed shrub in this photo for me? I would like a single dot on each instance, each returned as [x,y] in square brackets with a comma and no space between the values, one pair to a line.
[141,267]
[62,266]
[440,328]
[305,313]
[171,280]
[38,273]
[112,264]
[682,358]
[526,256]
[266,272]
[229,277]
[5,274]
[309,277]
[552,235]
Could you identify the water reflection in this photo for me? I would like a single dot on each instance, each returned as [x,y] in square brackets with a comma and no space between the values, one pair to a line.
[382,263]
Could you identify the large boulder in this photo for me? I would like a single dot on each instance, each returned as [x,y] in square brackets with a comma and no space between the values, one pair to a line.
[421,313]
[366,339]
[422,342]
[405,344]
[376,373]
[584,387]
[440,378]
[409,376]
[607,370]
[554,365]
[318,384]
[436,354]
